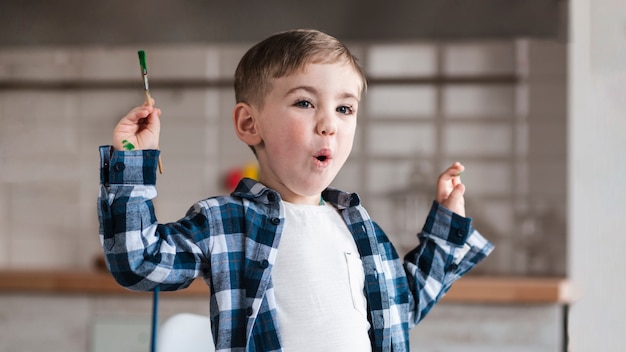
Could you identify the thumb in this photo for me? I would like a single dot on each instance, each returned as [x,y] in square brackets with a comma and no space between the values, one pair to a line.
[455,201]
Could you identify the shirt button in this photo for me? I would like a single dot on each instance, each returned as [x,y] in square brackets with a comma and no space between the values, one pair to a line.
[119,166]
[264,263]
[249,311]
[453,267]
[275,221]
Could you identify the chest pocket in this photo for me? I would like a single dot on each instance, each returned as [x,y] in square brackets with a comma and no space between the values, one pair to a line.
[357,282]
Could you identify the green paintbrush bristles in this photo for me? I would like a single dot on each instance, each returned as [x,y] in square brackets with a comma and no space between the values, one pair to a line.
[142,60]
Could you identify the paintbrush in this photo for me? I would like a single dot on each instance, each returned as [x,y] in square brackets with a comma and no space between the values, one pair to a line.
[146,88]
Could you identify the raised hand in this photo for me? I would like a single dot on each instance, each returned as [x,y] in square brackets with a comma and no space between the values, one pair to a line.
[139,129]
[450,190]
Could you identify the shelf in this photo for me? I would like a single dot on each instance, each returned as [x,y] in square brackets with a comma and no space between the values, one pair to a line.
[466,290]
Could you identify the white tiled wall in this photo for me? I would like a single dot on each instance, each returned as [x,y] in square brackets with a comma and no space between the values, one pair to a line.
[510,136]
[401,60]
[496,106]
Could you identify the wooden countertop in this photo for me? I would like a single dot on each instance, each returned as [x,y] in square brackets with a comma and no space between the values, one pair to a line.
[469,289]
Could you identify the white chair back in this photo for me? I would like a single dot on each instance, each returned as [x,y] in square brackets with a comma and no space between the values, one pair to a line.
[185,332]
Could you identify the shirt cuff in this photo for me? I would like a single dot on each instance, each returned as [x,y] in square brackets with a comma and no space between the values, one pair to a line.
[451,227]
[128,167]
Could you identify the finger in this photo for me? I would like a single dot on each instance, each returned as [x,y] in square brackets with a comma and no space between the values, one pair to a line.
[149,103]
[456,169]
[456,180]
[458,191]
[139,113]
[456,201]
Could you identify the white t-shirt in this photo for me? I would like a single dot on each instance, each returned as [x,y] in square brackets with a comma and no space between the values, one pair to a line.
[319,283]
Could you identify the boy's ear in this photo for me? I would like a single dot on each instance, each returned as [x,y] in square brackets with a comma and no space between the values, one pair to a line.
[245,124]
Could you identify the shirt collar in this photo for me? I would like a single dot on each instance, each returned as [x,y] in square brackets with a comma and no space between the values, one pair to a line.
[253,190]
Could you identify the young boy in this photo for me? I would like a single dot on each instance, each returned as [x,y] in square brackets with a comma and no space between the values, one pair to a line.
[292,264]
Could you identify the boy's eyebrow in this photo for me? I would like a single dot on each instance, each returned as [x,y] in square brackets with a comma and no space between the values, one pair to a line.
[314,91]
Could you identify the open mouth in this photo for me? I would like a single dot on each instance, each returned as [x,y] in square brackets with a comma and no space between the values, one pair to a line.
[321,158]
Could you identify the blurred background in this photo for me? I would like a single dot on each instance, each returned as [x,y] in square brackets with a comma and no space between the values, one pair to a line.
[527,94]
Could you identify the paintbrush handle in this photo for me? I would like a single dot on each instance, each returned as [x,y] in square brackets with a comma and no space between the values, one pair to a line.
[149,102]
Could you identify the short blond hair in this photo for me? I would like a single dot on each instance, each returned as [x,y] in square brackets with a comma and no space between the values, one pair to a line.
[283,54]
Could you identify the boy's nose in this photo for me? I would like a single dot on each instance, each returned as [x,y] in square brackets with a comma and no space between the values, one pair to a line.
[326,125]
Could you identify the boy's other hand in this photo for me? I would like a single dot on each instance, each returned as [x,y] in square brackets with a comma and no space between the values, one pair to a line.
[139,129]
[450,190]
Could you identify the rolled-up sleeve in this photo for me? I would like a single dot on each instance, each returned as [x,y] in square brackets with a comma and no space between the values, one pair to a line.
[141,253]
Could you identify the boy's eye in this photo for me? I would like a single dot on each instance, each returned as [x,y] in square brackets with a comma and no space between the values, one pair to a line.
[303,104]
[346,110]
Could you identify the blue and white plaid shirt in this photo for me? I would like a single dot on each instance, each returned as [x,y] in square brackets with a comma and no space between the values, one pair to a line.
[232,241]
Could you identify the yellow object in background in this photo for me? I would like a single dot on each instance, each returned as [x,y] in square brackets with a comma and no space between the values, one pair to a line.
[250,170]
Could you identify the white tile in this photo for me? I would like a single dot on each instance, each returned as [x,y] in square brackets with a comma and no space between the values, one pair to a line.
[183,140]
[473,328]
[107,105]
[41,246]
[401,139]
[350,178]
[400,101]
[230,146]
[187,105]
[112,64]
[479,100]
[229,57]
[40,64]
[487,178]
[93,134]
[139,305]
[226,105]
[29,107]
[43,323]
[477,140]
[180,62]
[390,217]
[182,183]
[507,259]
[479,58]
[38,203]
[39,139]
[135,304]
[357,144]
[44,168]
[401,60]
[387,176]
[212,143]
[131,334]
[491,217]
[521,138]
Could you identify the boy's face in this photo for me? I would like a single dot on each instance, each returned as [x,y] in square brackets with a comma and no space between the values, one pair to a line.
[307,126]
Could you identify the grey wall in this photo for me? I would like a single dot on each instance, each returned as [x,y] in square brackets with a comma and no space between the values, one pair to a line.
[116,22]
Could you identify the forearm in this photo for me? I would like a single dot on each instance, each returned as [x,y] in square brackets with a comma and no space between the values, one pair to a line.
[449,247]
